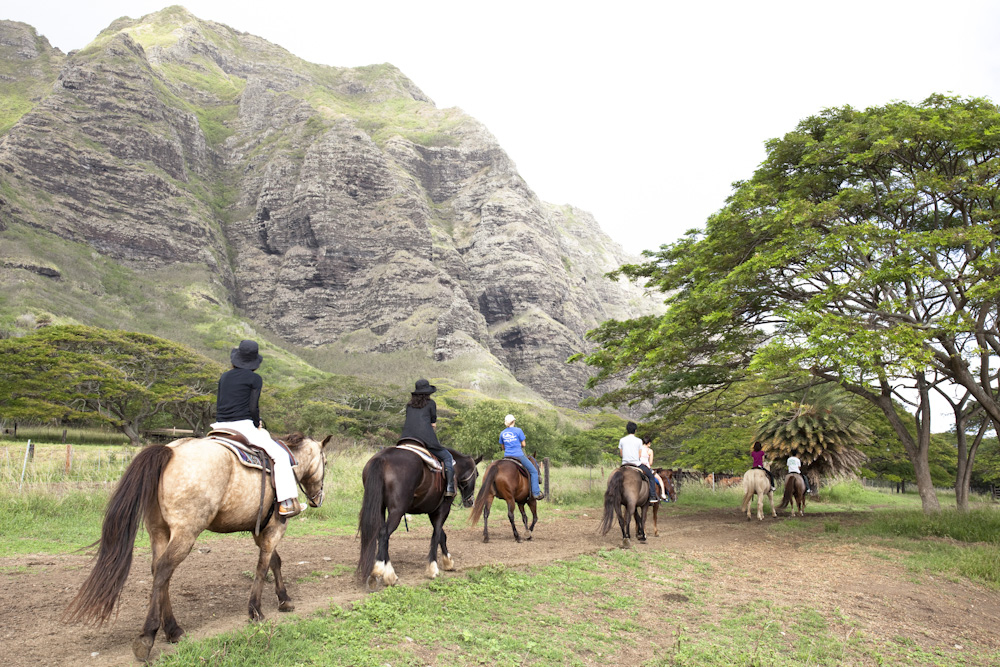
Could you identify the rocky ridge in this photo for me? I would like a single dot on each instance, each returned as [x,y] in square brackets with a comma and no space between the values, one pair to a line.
[335,207]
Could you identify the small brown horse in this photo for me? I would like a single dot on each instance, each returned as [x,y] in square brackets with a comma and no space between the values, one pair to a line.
[795,490]
[398,482]
[756,481]
[667,476]
[627,487]
[179,490]
[506,479]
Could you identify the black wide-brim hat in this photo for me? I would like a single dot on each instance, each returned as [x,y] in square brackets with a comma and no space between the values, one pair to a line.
[246,355]
[424,387]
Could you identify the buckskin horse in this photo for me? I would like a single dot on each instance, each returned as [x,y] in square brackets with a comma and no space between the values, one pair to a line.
[507,479]
[756,481]
[627,487]
[795,490]
[179,490]
[397,481]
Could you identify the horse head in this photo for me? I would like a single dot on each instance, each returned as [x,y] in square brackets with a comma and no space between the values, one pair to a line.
[466,472]
[311,474]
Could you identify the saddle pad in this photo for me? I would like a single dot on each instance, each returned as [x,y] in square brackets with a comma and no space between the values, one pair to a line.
[432,461]
[251,457]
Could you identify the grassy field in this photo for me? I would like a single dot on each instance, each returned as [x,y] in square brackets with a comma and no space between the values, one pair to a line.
[499,616]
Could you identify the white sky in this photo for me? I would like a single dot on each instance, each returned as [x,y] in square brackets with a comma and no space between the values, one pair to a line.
[642,113]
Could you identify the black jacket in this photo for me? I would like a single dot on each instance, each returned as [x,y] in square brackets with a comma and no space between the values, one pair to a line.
[239,396]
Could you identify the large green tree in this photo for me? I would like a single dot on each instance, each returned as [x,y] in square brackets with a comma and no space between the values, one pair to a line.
[863,252]
[122,378]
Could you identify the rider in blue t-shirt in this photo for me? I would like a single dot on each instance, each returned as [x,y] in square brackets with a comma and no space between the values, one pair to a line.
[512,439]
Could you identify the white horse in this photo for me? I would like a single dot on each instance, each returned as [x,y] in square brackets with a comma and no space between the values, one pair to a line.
[756,481]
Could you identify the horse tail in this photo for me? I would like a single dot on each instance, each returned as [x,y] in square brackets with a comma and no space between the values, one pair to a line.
[484,492]
[612,500]
[372,516]
[132,499]
[789,492]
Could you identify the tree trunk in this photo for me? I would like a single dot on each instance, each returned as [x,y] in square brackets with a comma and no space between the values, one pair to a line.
[131,431]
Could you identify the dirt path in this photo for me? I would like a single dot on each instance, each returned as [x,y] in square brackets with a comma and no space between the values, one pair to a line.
[210,588]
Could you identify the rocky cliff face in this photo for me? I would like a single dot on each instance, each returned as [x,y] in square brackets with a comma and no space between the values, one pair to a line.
[338,207]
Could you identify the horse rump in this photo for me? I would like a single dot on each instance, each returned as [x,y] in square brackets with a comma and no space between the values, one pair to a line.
[612,500]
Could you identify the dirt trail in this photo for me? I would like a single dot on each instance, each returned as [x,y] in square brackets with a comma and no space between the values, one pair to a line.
[210,588]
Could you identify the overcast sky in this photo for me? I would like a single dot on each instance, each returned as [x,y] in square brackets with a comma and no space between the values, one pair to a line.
[642,113]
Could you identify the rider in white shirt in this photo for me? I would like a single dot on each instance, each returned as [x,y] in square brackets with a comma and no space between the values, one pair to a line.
[795,465]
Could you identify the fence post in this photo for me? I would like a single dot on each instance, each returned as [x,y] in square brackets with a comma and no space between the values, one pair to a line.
[545,464]
[64,436]
[24,466]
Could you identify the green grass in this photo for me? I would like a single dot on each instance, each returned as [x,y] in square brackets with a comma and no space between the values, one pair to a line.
[581,611]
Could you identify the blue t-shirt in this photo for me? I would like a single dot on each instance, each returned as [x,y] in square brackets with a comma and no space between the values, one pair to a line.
[511,439]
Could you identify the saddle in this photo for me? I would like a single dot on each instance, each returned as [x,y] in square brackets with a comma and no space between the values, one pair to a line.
[418,448]
[246,453]
[520,466]
[251,456]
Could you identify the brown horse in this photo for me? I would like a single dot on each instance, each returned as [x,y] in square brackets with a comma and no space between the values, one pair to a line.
[398,482]
[795,490]
[667,476]
[756,481]
[179,490]
[506,479]
[627,487]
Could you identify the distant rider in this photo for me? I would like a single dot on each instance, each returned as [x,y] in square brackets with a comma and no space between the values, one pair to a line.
[758,461]
[795,465]
[630,448]
[421,425]
[513,440]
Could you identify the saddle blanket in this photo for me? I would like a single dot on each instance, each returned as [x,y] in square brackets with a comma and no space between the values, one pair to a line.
[249,456]
[520,466]
[432,461]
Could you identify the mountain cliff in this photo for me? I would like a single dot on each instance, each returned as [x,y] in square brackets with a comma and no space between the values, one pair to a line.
[337,209]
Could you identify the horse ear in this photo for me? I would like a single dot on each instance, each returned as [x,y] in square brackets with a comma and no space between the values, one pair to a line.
[327,440]
[478,459]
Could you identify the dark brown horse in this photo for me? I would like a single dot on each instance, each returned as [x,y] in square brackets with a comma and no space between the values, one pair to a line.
[627,487]
[506,479]
[795,490]
[179,490]
[398,482]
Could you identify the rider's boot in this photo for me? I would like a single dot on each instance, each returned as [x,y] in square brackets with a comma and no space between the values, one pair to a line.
[449,480]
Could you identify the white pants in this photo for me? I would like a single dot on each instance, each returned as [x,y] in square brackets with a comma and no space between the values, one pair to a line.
[284,478]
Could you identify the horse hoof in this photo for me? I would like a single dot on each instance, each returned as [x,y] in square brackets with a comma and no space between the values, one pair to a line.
[447,562]
[140,649]
[626,544]
[389,577]
[378,569]
[485,540]
[528,538]
[432,570]
[175,636]
[287,605]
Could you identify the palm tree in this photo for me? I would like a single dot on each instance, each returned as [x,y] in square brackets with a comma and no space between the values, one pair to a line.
[823,433]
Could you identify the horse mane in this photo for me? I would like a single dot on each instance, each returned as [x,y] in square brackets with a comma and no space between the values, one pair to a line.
[294,438]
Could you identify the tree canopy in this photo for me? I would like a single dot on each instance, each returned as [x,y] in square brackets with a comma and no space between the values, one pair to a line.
[863,251]
[120,377]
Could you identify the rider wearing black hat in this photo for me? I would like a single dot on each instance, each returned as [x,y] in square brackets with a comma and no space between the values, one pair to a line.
[421,425]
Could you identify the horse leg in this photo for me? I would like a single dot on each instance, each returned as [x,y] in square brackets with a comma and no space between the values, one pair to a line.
[159,538]
[486,517]
[656,528]
[623,518]
[163,569]
[533,505]
[640,523]
[770,498]
[383,566]
[438,537]
[284,599]
[510,517]
[524,519]
[266,543]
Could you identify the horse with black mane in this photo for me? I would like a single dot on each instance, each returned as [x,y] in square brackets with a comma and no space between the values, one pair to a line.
[506,478]
[627,487]
[398,480]
[179,490]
